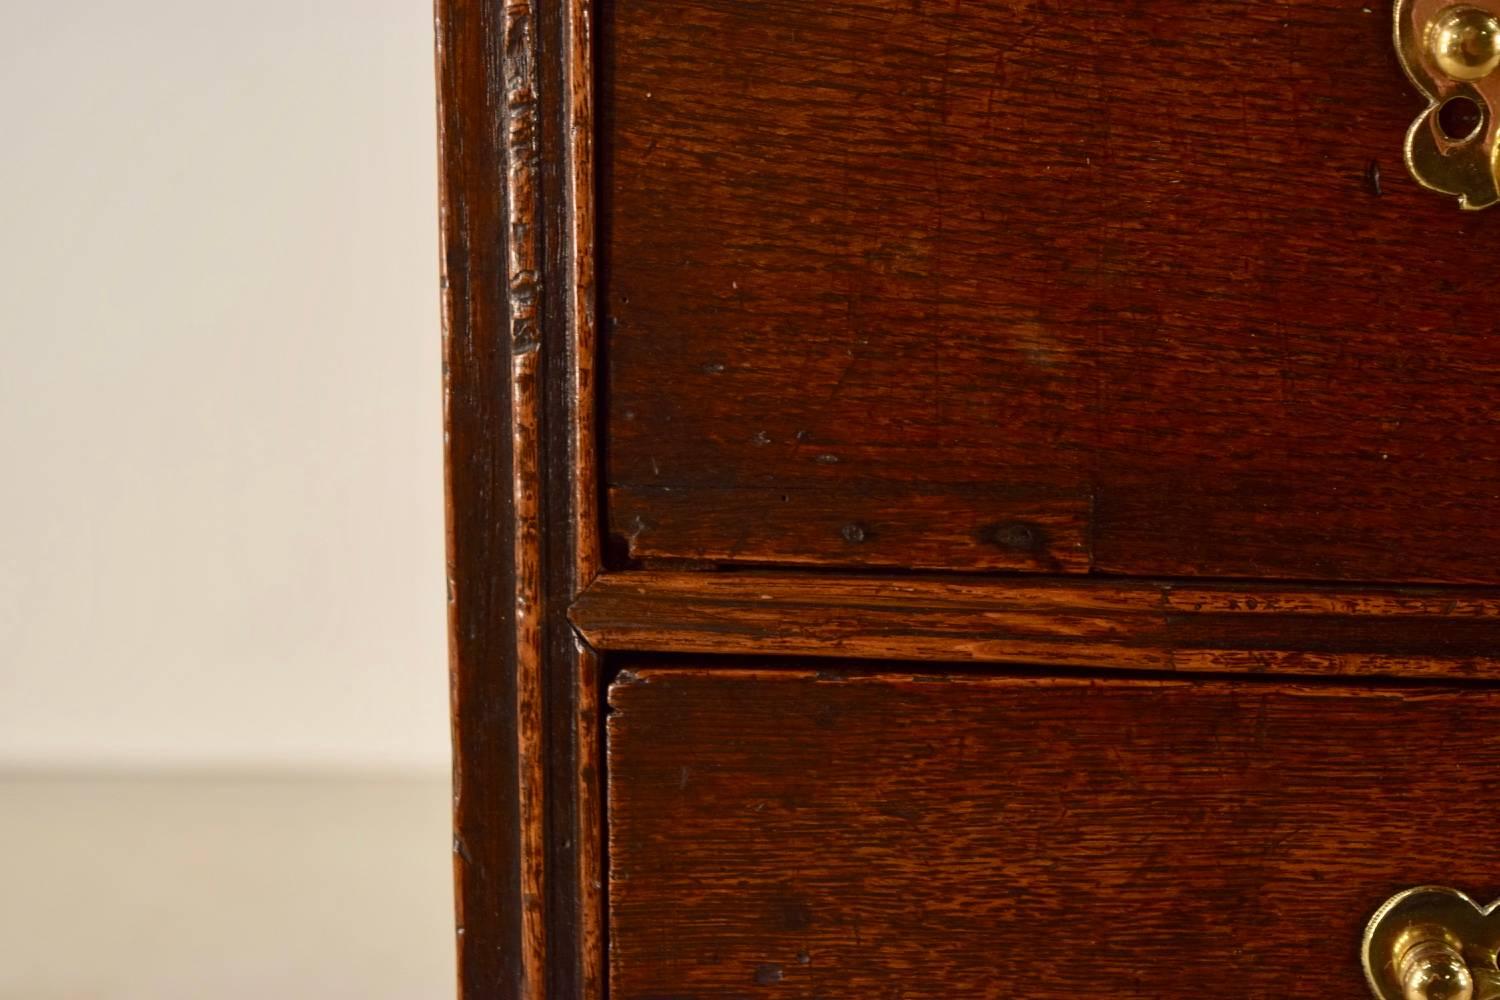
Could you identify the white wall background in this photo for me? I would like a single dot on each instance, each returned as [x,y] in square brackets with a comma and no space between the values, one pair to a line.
[220,416]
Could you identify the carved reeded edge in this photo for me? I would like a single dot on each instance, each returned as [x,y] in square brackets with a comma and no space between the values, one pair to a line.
[524,290]
[514,92]
[586,518]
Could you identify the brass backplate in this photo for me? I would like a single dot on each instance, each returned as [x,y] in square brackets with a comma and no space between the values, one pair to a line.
[1451,52]
[1432,912]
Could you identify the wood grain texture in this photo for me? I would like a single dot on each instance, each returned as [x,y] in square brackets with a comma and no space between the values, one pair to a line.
[874,527]
[581,318]
[1114,280]
[827,836]
[499,948]
[1109,625]
[571,538]
[517,209]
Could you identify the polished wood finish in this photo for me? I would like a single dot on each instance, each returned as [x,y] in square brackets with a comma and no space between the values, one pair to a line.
[828,835]
[515,117]
[1033,287]
[1048,323]
[497,933]
[1102,624]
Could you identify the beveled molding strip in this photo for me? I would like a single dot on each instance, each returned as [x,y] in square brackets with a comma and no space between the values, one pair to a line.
[515,115]
[1099,624]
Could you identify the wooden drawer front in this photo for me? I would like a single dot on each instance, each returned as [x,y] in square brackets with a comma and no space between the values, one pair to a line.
[1138,287]
[806,835]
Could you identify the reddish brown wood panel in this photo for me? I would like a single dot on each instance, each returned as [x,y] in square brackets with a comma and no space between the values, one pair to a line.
[1103,624]
[824,837]
[492,655]
[515,141]
[1020,285]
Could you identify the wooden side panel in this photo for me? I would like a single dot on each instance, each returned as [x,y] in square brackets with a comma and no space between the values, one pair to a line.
[827,836]
[486,129]
[515,94]
[1139,287]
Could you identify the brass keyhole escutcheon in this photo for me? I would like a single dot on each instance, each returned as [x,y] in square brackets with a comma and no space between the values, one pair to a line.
[1451,51]
[1433,943]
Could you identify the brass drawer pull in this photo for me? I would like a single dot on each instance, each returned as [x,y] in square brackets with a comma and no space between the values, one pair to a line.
[1451,51]
[1432,943]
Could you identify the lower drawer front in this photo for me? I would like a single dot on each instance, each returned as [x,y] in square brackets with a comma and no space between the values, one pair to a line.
[818,835]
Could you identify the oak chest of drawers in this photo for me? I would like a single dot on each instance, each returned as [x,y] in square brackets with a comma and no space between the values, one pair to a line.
[973,499]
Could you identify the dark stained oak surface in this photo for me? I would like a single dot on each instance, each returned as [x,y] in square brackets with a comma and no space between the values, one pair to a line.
[514,103]
[1033,286]
[1104,624]
[826,836]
